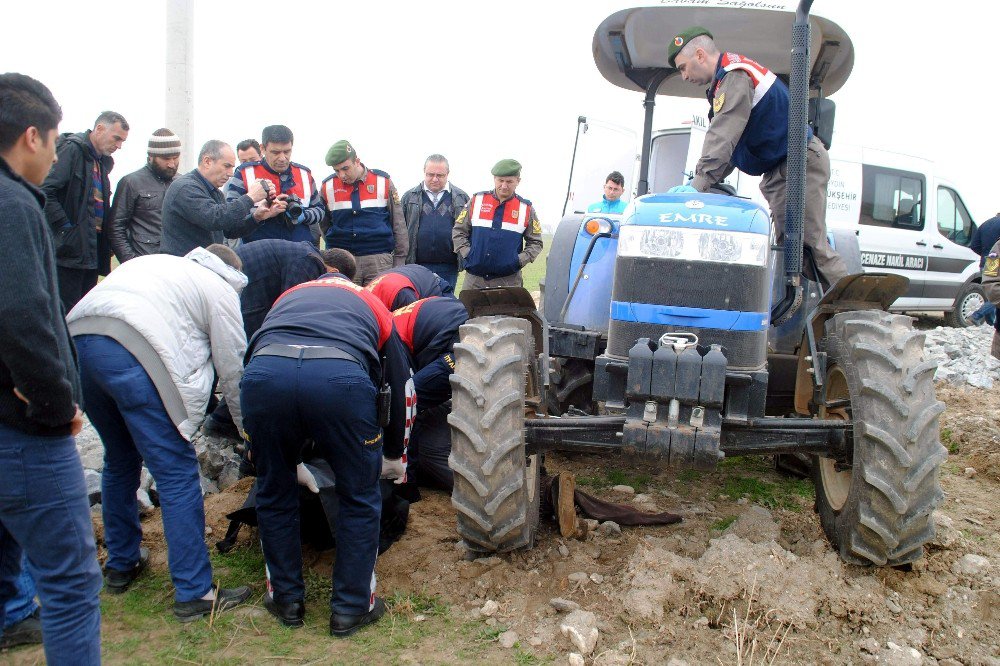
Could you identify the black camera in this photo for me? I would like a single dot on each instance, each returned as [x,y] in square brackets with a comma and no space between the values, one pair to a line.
[294,208]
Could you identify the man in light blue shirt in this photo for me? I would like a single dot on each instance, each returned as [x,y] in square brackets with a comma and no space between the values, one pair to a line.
[612,202]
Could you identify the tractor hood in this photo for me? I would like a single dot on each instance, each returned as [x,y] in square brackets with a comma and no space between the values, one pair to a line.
[631,45]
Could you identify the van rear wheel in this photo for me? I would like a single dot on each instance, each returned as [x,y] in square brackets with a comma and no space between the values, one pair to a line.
[969,299]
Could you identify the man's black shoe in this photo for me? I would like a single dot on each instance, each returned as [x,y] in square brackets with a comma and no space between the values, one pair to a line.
[225,599]
[26,632]
[116,581]
[290,614]
[342,626]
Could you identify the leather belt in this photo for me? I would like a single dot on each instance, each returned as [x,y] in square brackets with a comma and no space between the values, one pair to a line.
[304,352]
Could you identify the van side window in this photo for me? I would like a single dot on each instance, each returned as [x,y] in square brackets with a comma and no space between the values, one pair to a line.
[892,198]
[954,221]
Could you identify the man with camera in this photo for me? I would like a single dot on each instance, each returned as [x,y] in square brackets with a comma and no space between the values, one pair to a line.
[295,208]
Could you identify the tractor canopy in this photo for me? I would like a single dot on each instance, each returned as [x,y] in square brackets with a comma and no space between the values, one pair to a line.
[630,46]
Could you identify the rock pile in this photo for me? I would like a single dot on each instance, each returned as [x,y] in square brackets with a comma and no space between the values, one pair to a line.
[963,355]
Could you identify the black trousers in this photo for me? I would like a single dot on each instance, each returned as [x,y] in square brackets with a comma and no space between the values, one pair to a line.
[74,283]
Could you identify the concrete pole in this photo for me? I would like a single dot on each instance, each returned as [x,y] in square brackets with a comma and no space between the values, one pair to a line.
[180,78]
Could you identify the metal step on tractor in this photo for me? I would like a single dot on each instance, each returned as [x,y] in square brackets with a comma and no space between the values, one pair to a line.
[710,342]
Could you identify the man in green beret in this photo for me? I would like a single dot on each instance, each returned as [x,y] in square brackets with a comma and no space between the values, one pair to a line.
[364,215]
[497,233]
[749,132]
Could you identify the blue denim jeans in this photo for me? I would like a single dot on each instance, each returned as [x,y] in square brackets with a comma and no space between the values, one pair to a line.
[286,401]
[128,414]
[45,515]
[987,313]
[23,604]
[447,272]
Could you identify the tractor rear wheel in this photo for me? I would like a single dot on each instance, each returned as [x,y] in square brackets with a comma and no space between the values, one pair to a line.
[876,506]
[496,491]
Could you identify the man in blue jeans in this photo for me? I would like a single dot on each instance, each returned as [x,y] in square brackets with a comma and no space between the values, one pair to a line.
[152,337]
[44,512]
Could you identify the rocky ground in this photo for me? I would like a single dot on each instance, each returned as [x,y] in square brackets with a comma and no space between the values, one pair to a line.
[746,578]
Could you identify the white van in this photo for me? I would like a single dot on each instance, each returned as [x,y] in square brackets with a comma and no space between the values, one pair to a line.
[908,219]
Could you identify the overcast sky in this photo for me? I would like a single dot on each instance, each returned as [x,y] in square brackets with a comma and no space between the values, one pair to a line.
[482,81]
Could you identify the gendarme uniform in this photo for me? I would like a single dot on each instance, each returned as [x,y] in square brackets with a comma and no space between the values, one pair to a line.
[749,132]
[496,239]
[991,285]
[297,180]
[364,217]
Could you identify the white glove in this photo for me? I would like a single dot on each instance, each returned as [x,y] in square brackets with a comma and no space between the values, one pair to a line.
[394,469]
[306,478]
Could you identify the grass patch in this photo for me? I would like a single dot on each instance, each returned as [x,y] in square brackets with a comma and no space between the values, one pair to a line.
[688,475]
[949,441]
[723,523]
[781,495]
[615,477]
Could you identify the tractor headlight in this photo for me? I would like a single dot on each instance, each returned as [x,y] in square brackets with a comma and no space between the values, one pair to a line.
[661,242]
[731,247]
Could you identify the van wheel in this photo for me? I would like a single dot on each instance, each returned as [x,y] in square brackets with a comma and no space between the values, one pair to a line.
[497,484]
[969,299]
[875,506]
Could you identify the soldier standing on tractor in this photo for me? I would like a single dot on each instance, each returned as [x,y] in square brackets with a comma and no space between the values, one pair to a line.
[498,232]
[749,132]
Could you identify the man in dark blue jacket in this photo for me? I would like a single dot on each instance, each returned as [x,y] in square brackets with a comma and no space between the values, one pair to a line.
[498,232]
[78,203]
[273,267]
[984,238]
[314,371]
[749,131]
[364,215]
[44,510]
[429,329]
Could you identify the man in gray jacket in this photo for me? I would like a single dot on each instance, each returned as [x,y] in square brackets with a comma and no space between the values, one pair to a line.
[136,225]
[430,210]
[196,214]
[151,337]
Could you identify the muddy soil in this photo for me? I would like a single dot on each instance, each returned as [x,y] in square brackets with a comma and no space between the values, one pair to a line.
[746,578]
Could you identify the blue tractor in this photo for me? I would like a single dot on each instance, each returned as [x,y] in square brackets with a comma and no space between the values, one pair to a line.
[679,333]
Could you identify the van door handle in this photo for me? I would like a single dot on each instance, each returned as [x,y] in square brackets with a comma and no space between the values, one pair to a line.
[922,243]
[937,247]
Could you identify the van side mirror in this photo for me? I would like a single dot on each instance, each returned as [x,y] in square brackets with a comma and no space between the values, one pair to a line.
[821,115]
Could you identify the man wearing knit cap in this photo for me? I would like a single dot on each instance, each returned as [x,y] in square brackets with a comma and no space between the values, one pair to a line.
[364,215]
[136,225]
[498,232]
[749,132]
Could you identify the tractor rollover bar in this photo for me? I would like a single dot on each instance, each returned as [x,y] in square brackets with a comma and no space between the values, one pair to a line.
[761,436]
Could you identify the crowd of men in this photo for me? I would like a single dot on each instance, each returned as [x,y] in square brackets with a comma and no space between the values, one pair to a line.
[244,278]
[223,288]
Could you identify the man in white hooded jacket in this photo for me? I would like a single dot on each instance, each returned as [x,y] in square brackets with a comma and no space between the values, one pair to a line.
[151,337]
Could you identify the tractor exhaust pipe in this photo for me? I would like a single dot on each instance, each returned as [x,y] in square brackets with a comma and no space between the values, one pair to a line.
[798,115]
